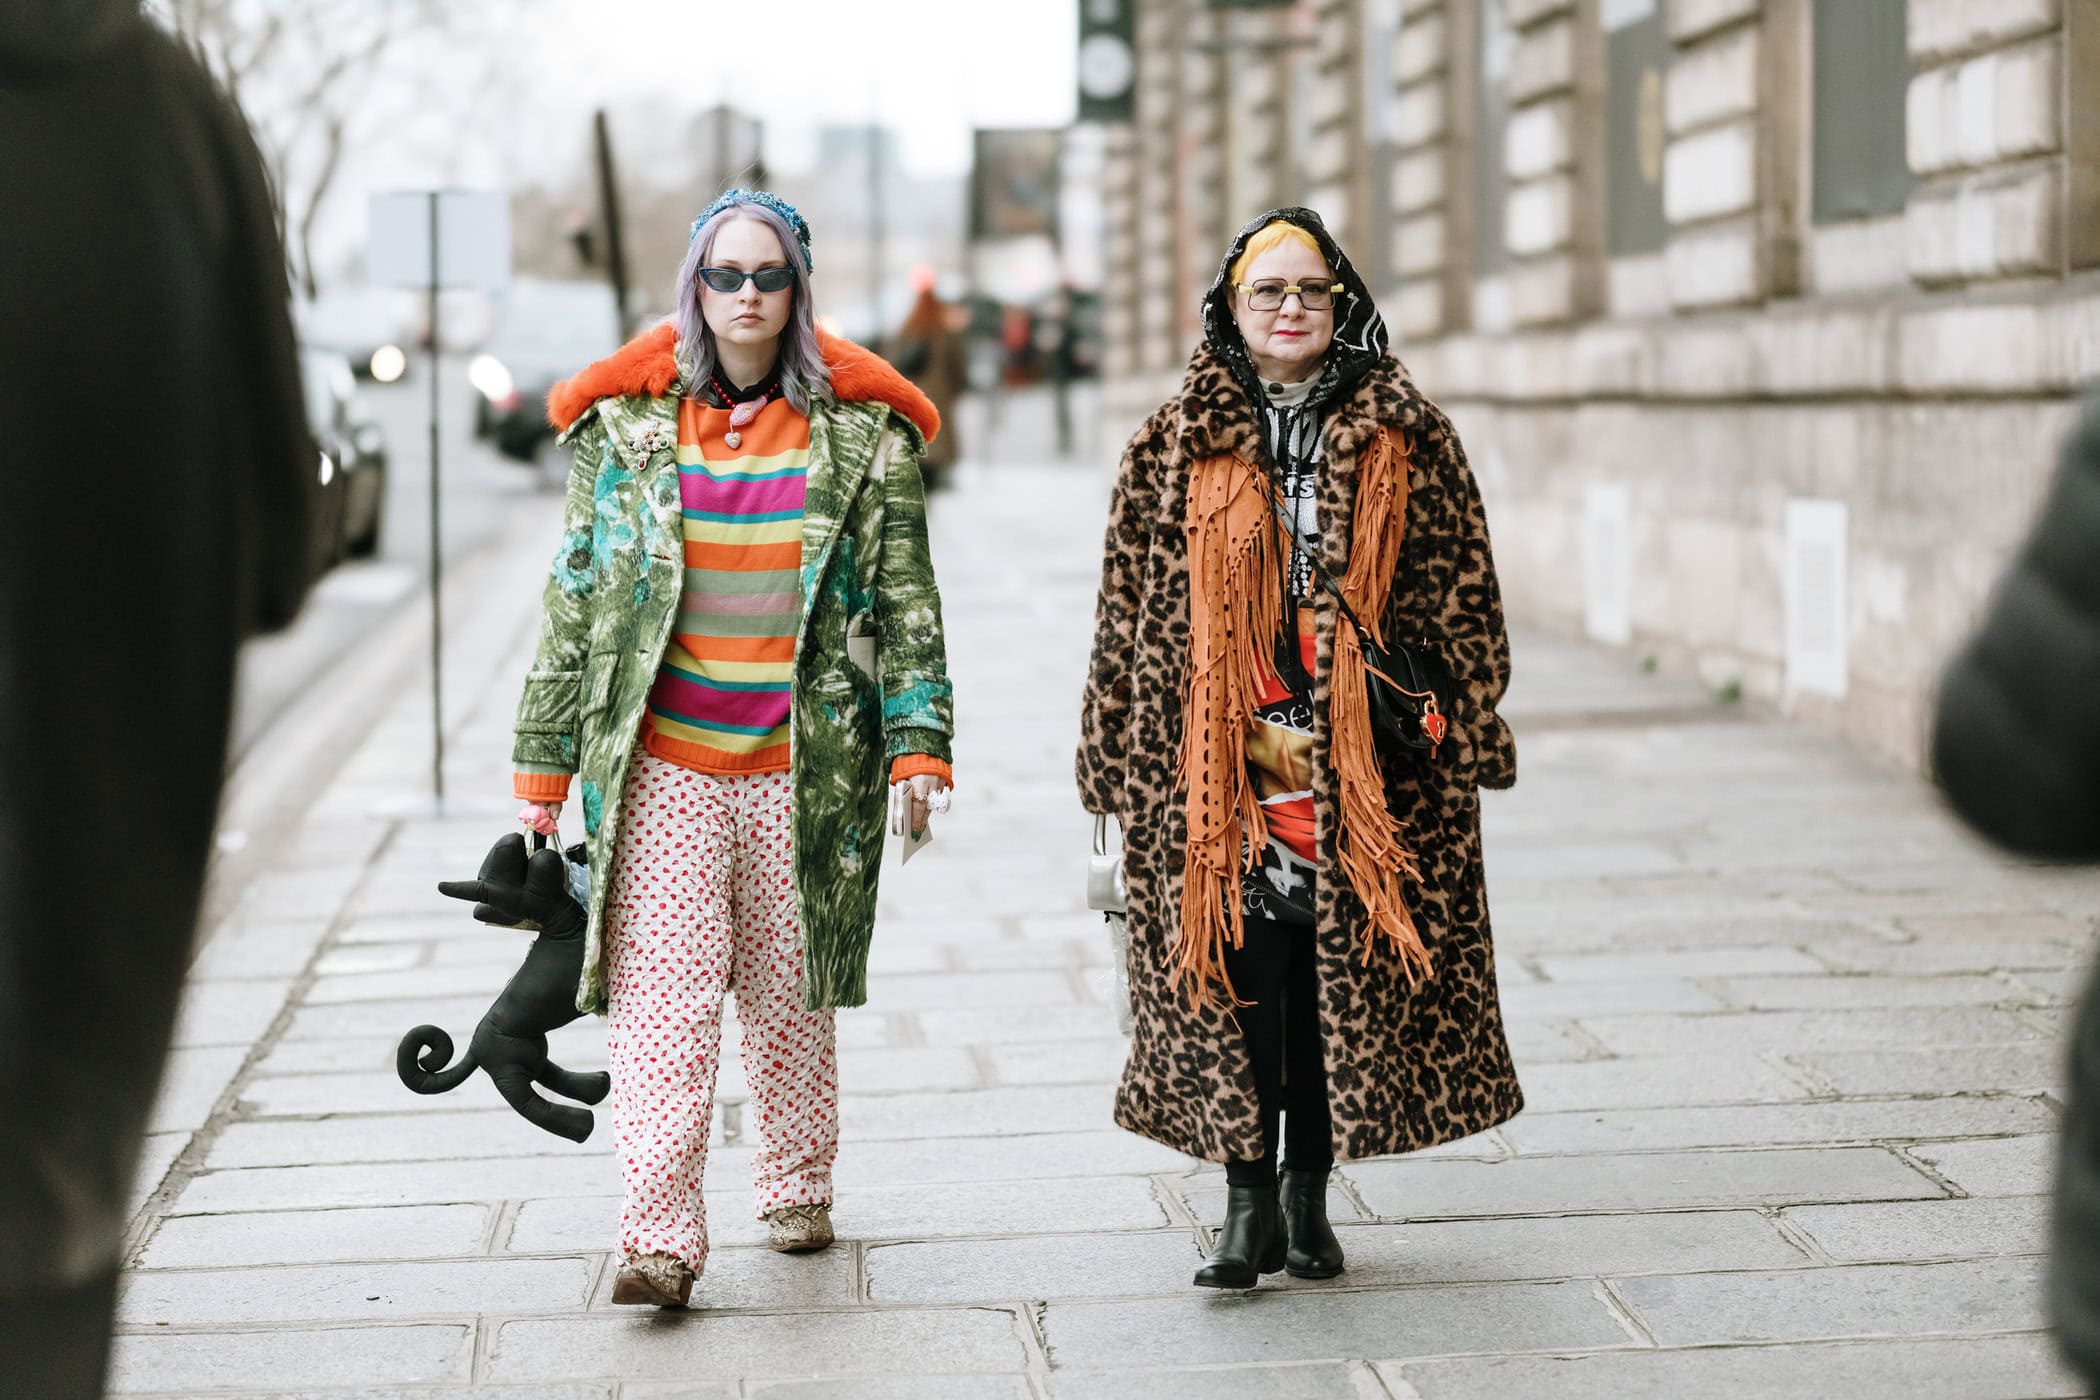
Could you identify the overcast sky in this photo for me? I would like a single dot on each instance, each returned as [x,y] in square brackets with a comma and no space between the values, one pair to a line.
[931,68]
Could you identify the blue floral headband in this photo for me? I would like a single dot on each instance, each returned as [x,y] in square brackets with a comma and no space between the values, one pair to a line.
[773,202]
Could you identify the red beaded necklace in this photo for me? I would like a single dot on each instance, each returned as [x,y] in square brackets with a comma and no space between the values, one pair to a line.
[742,412]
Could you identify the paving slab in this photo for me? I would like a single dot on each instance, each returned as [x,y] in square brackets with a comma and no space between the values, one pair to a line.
[1426,1190]
[289,1358]
[349,1291]
[784,1346]
[1869,990]
[2013,1166]
[392,1183]
[309,1237]
[1970,1296]
[919,1387]
[1811,1030]
[976,1113]
[1984,955]
[1291,1325]
[191,1084]
[2017,1069]
[408,1137]
[1015,1270]
[1657,1082]
[228,1012]
[1102,1152]
[1898,1231]
[1318,1380]
[1758,1125]
[2020,1367]
[1681,963]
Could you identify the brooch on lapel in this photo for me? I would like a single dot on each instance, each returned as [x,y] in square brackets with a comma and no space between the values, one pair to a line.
[646,442]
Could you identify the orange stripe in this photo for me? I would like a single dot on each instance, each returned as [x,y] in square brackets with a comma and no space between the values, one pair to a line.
[743,558]
[738,648]
[778,428]
[702,759]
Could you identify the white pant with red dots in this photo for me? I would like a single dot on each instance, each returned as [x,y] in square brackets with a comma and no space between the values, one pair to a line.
[703,901]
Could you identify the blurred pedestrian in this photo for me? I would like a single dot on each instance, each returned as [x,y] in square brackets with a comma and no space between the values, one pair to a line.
[929,349]
[160,475]
[2017,748]
[742,656]
[1308,925]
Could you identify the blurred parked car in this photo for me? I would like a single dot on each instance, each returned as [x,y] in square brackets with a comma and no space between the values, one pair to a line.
[352,457]
[545,332]
[372,327]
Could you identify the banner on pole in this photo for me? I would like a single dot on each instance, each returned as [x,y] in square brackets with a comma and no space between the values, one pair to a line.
[1014,183]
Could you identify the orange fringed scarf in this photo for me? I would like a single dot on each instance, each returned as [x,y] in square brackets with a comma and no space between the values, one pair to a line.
[1235,612]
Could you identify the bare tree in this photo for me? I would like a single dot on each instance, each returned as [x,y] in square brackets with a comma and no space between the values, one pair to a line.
[311,76]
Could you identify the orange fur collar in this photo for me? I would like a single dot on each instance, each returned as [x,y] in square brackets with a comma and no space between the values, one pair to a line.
[644,365]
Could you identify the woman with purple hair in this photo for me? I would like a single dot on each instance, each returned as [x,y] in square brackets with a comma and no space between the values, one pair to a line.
[742,662]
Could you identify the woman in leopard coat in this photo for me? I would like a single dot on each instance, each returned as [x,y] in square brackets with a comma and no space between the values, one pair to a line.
[1335,969]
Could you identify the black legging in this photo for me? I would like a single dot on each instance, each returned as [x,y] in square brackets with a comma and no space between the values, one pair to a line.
[1275,969]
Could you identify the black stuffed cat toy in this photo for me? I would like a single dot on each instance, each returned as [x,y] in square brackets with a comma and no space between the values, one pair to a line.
[511,1041]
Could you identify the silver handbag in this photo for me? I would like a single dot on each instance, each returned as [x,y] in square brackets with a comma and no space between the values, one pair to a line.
[1107,892]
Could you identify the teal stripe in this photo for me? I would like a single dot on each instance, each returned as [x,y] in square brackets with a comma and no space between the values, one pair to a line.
[726,477]
[731,517]
[775,687]
[755,731]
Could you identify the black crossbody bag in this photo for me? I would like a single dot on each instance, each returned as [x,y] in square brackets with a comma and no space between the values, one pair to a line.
[1407,688]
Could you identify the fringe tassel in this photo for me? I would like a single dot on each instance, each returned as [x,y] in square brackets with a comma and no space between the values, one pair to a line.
[1236,612]
[1371,846]
[1237,576]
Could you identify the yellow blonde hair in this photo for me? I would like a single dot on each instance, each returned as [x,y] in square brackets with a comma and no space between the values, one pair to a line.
[1272,235]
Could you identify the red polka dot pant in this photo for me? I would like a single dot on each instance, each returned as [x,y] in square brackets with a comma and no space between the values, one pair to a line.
[702,901]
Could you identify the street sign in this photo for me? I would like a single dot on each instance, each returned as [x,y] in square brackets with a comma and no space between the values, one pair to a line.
[432,239]
[1107,60]
[472,239]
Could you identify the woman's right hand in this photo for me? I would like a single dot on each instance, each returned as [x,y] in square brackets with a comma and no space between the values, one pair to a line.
[543,817]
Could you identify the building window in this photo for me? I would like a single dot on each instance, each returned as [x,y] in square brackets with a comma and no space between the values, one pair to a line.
[1490,118]
[1861,60]
[1637,59]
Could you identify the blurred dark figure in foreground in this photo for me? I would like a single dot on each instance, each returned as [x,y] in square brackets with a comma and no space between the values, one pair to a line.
[928,348]
[2017,747]
[156,466]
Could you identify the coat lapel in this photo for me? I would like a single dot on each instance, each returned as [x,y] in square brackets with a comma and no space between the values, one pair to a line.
[842,442]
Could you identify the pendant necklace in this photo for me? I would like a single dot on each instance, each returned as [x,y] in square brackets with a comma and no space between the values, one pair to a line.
[741,414]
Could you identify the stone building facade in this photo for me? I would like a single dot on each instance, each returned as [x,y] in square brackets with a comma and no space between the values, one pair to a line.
[1761,319]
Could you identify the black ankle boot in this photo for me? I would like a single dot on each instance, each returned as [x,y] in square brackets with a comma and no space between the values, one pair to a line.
[1250,1243]
[1314,1251]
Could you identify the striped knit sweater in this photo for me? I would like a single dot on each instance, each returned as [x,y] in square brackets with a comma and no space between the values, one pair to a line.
[722,693]
[720,703]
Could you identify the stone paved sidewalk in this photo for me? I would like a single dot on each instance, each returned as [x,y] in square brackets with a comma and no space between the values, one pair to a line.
[1789,1041]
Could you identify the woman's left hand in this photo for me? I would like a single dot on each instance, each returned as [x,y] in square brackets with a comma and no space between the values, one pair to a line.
[926,794]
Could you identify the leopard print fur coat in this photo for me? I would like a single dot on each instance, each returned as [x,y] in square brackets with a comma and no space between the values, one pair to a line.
[1408,1066]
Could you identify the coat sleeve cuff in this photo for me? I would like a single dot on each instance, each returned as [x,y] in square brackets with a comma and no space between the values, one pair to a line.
[540,787]
[911,765]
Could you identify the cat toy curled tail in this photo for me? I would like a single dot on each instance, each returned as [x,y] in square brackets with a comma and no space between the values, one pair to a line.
[517,890]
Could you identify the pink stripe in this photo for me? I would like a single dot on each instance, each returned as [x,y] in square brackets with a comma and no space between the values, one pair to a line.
[699,703]
[744,497]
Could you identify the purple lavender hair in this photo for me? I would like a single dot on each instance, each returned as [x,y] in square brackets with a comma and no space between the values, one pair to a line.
[803,376]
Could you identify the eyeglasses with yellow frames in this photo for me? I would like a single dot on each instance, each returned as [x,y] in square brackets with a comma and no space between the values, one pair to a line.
[1314,294]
